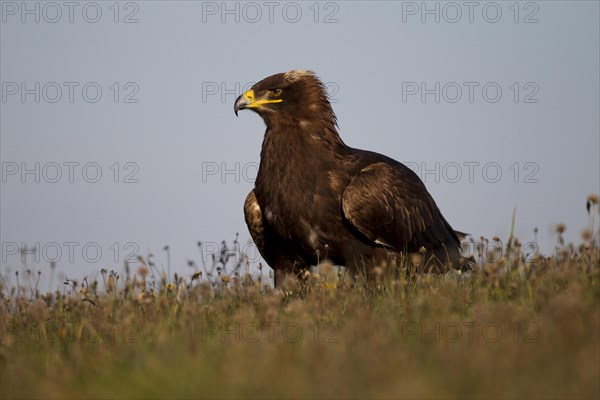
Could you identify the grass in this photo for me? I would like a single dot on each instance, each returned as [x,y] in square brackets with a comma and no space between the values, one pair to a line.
[508,329]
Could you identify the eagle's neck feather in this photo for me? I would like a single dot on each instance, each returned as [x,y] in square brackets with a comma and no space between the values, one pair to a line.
[291,152]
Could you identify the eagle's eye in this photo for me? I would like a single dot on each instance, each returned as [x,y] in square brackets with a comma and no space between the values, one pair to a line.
[276,92]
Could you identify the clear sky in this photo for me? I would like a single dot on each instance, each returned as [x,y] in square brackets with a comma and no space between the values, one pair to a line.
[118,134]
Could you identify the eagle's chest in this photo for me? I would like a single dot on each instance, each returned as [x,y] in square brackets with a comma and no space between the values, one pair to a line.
[299,187]
[301,203]
[306,226]
[288,196]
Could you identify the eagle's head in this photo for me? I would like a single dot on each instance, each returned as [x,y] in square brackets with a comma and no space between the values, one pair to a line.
[288,97]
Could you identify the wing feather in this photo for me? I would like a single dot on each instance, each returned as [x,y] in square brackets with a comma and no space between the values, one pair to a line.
[389,204]
[254,220]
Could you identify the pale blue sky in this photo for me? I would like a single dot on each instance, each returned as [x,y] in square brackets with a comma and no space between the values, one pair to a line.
[178,57]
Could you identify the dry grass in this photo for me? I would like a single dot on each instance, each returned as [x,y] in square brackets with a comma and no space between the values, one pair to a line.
[506,330]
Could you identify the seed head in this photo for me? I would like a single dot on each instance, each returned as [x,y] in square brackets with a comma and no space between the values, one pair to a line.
[143,271]
[586,234]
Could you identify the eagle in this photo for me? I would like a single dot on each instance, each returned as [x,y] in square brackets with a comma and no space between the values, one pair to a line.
[316,198]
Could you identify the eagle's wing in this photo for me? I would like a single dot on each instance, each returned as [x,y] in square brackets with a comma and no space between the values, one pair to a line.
[253,216]
[277,252]
[390,206]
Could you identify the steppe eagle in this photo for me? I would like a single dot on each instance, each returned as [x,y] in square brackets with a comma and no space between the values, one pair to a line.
[316,198]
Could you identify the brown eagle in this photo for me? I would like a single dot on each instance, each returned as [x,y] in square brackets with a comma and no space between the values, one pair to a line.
[316,198]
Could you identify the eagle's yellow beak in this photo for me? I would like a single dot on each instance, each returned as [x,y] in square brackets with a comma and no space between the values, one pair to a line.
[248,100]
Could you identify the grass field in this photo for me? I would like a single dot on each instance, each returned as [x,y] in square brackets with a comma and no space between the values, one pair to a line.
[508,329]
